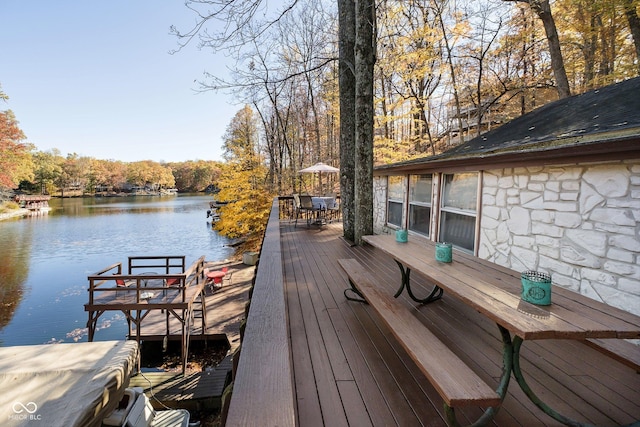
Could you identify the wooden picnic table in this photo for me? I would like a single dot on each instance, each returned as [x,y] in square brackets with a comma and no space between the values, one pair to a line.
[494,291]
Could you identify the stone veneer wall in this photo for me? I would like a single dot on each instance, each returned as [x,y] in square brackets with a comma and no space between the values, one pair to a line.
[579,223]
[380,205]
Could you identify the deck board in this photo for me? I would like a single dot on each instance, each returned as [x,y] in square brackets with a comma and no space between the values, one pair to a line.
[340,349]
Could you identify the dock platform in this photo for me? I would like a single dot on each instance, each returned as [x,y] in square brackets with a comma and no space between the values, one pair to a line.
[225,311]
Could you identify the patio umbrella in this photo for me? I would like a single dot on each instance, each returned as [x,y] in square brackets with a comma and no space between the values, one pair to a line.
[319,168]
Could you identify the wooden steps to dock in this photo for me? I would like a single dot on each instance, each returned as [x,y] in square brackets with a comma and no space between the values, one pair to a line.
[195,391]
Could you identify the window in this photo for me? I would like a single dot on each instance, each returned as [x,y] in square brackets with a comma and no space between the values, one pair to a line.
[420,203]
[458,210]
[395,201]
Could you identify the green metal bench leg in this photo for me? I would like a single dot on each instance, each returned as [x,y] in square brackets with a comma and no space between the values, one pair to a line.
[517,373]
[503,385]
[435,294]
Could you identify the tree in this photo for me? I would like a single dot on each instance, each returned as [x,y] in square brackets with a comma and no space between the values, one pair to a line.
[417,65]
[242,182]
[150,174]
[47,169]
[631,12]
[241,139]
[365,57]
[15,156]
[543,10]
[347,89]
[195,175]
[100,172]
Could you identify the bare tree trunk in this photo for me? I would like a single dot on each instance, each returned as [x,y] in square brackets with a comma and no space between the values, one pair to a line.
[316,121]
[454,84]
[270,140]
[634,25]
[543,10]
[347,81]
[365,52]
[383,106]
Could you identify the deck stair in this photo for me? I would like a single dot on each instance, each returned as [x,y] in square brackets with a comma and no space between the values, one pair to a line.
[196,391]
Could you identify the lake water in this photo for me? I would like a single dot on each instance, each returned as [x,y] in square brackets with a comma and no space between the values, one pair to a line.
[45,260]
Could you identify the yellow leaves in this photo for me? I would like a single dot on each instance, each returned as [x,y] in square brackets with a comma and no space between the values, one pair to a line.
[249,202]
[15,158]
[149,172]
[388,151]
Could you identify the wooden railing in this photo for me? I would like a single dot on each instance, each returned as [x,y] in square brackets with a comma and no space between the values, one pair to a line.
[107,279]
[263,392]
[166,263]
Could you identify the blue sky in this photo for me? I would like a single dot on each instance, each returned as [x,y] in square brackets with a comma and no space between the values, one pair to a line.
[96,78]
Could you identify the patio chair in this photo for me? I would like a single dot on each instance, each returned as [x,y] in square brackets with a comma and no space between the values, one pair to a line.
[171,282]
[333,210]
[303,207]
[123,284]
[306,202]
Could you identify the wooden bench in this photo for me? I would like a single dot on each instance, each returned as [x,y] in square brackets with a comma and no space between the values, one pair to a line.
[623,351]
[457,384]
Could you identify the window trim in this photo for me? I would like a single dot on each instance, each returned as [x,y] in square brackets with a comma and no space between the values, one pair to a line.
[475,214]
[428,204]
[401,201]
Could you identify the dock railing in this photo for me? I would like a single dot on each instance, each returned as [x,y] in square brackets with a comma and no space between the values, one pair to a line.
[162,272]
[263,391]
[110,289]
[168,263]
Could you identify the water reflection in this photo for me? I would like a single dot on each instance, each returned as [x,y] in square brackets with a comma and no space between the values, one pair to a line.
[46,259]
[16,246]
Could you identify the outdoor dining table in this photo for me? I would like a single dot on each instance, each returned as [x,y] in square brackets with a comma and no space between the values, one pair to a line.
[150,281]
[495,292]
[215,277]
[320,205]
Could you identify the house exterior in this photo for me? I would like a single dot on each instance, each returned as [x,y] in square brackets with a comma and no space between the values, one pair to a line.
[556,190]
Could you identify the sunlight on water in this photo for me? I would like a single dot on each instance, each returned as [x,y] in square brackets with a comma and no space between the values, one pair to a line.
[46,259]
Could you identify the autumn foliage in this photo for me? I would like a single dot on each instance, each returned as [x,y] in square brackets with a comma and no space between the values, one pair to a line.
[15,158]
[243,182]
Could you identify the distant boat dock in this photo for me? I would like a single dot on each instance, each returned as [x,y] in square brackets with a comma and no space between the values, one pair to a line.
[34,203]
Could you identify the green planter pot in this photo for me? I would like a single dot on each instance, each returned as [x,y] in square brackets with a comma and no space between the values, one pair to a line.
[536,287]
[444,252]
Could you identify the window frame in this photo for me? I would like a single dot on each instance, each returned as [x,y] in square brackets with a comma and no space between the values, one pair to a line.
[443,210]
[401,201]
[411,203]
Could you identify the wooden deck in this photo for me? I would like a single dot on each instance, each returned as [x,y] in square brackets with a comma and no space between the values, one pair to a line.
[348,371]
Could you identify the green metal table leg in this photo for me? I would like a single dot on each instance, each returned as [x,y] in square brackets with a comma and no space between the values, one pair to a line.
[503,385]
[517,373]
[435,294]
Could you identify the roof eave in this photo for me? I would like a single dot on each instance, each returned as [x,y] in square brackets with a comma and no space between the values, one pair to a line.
[618,145]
